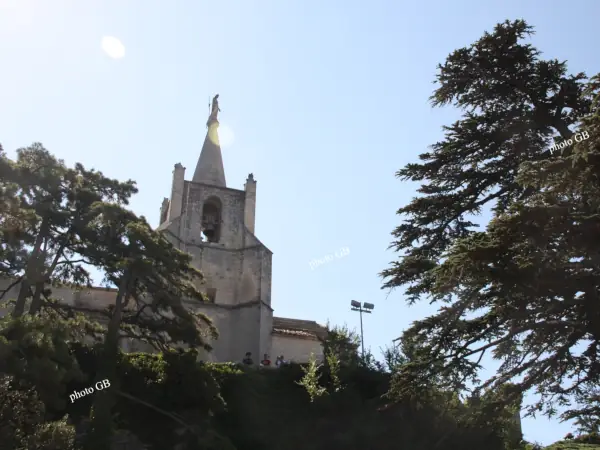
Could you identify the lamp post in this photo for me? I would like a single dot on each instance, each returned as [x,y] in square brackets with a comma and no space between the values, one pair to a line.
[364,308]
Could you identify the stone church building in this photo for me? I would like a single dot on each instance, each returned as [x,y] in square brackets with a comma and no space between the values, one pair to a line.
[216,225]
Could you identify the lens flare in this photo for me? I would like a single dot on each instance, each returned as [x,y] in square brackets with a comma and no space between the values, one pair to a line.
[113,47]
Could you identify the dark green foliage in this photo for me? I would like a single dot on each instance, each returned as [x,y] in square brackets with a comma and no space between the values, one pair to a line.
[20,413]
[154,280]
[514,104]
[55,219]
[525,290]
[171,382]
[591,438]
[35,350]
[587,421]
[248,409]
[47,208]
[22,421]
[343,343]
[170,399]
[569,445]
[268,410]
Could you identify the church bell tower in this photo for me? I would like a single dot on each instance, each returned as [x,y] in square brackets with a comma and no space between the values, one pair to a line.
[216,225]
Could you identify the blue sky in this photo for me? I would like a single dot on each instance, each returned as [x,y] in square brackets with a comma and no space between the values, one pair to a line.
[322,100]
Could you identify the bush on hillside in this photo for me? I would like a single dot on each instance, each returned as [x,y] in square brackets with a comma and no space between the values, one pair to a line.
[22,421]
[168,399]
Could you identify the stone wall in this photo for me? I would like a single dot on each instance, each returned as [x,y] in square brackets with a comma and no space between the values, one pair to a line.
[245,332]
[97,298]
[242,328]
[221,269]
[266,329]
[266,275]
[296,349]
[222,318]
[239,276]
[232,213]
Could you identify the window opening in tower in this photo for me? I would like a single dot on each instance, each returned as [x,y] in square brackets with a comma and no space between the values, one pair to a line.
[211,221]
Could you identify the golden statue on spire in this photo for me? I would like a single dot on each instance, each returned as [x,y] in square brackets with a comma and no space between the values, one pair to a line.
[214,109]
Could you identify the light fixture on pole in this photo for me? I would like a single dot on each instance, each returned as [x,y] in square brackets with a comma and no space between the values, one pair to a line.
[365,308]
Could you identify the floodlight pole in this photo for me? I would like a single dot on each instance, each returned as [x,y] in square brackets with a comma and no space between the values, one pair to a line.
[362,336]
[360,310]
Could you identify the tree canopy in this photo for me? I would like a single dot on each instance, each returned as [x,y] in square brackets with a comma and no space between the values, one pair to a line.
[524,290]
[56,222]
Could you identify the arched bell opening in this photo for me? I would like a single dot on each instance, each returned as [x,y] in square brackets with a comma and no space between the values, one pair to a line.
[211,219]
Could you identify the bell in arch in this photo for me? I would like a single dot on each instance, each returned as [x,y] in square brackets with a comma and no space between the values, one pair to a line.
[211,220]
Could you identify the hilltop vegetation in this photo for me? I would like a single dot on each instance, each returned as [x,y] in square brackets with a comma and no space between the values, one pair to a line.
[169,398]
[568,445]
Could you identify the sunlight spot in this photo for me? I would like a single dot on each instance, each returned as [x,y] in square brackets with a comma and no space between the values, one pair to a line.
[226,136]
[113,47]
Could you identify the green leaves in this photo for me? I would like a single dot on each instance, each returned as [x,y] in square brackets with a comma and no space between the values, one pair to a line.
[47,208]
[57,221]
[524,290]
[311,379]
[35,350]
[22,419]
[513,104]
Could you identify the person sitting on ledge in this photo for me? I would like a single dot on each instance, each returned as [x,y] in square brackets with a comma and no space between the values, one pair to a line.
[248,359]
[266,361]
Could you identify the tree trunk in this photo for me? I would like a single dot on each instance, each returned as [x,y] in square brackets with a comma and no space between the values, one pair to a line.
[101,431]
[32,267]
[20,304]
[36,302]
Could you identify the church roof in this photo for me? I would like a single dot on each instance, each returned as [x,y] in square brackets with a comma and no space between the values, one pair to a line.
[209,169]
[298,328]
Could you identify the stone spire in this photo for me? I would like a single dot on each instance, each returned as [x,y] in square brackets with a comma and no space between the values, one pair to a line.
[209,169]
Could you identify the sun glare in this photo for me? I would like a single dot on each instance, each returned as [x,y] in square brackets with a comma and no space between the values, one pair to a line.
[113,47]
[226,136]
